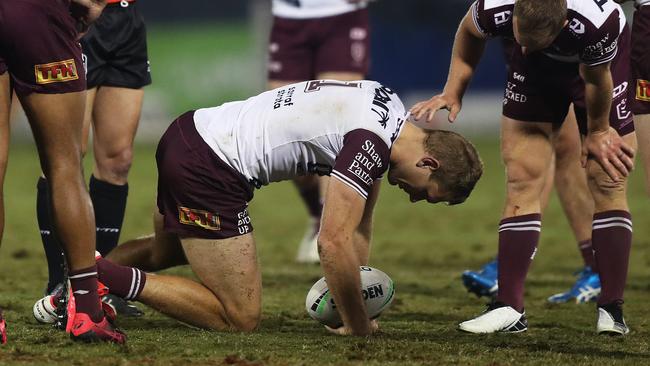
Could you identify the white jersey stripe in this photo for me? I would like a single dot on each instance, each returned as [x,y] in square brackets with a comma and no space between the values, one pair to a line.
[349,183]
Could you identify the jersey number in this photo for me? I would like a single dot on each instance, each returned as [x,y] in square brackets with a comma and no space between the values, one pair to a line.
[600,4]
[315,85]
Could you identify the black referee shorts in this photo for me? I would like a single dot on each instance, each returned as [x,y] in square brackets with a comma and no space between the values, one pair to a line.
[115,49]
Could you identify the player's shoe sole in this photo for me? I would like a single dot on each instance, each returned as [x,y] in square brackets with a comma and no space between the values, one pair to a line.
[611,321]
[498,318]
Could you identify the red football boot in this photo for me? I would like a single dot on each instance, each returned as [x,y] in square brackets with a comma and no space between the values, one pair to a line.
[3,330]
[85,330]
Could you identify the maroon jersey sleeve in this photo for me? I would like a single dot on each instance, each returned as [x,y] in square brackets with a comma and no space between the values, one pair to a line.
[493,19]
[601,44]
[363,159]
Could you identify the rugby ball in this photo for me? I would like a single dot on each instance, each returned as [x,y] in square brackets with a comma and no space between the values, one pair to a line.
[377,290]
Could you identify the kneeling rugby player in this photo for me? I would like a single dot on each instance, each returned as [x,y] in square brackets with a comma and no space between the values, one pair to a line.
[211,160]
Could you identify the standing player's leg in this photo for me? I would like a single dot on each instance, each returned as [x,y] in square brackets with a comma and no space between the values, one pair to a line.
[5,107]
[51,245]
[227,298]
[642,127]
[578,206]
[116,114]
[520,227]
[56,121]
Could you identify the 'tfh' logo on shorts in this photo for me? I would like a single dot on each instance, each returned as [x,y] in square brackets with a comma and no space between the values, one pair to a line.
[200,218]
[643,90]
[56,72]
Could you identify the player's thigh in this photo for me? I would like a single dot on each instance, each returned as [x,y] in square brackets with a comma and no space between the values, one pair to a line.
[88,118]
[567,142]
[341,75]
[57,123]
[116,114]
[167,249]
[229,268]
[274,84]
[527,152]
[642,127]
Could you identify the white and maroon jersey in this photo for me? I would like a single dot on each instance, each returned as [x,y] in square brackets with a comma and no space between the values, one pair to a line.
[325,127]
[307,9]
[590,36]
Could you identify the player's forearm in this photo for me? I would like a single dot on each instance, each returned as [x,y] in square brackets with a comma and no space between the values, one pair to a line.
[467,52]
[362,246]
[340,265]
[598,96]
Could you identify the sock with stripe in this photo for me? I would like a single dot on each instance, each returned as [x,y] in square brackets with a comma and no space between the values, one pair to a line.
[612,242]
[125,282]
[84,290]
[587,252]
[109,202]
[518,238]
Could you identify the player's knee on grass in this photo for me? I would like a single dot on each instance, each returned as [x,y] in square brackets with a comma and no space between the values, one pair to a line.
[245,319]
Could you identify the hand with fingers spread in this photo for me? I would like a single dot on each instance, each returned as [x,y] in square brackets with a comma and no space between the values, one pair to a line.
[610,151]
[429,107]
[346,331]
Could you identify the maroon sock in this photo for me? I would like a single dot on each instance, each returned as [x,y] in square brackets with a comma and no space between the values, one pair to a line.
[84,289]
[123,281]
[612,241]
[587,252]
[310,194]
[518,238]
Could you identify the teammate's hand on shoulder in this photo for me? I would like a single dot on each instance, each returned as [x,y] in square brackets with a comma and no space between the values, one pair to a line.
[429,107]
[610,151]
[346,331]
[85,12]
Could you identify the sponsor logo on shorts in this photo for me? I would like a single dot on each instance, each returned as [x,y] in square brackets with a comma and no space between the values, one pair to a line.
[502,17]
[243,222]
[200,218]
[643,90]
[56,72]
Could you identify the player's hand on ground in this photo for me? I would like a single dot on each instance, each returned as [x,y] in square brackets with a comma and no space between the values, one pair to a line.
[429,107]
[610,151]
[86,12]
[346,331]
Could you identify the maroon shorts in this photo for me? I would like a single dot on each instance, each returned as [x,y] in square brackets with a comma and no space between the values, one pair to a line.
[301,49]
[38,45]
[640,68]
[199,195]
[540,89]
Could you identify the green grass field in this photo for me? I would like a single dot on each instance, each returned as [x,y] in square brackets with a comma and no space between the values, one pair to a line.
[423,247]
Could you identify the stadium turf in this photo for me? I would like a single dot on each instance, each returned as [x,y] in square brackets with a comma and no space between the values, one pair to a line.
[423,247]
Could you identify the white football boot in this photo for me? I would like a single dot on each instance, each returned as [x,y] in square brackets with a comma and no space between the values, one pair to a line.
[308,249]
[610,320]
[498,318]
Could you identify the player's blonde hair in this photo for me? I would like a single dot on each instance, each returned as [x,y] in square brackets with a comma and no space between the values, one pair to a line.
[539,20]
[460,164]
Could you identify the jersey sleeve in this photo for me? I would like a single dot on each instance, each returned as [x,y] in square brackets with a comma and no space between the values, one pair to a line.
[601,45]
[493,21]
[363,159]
